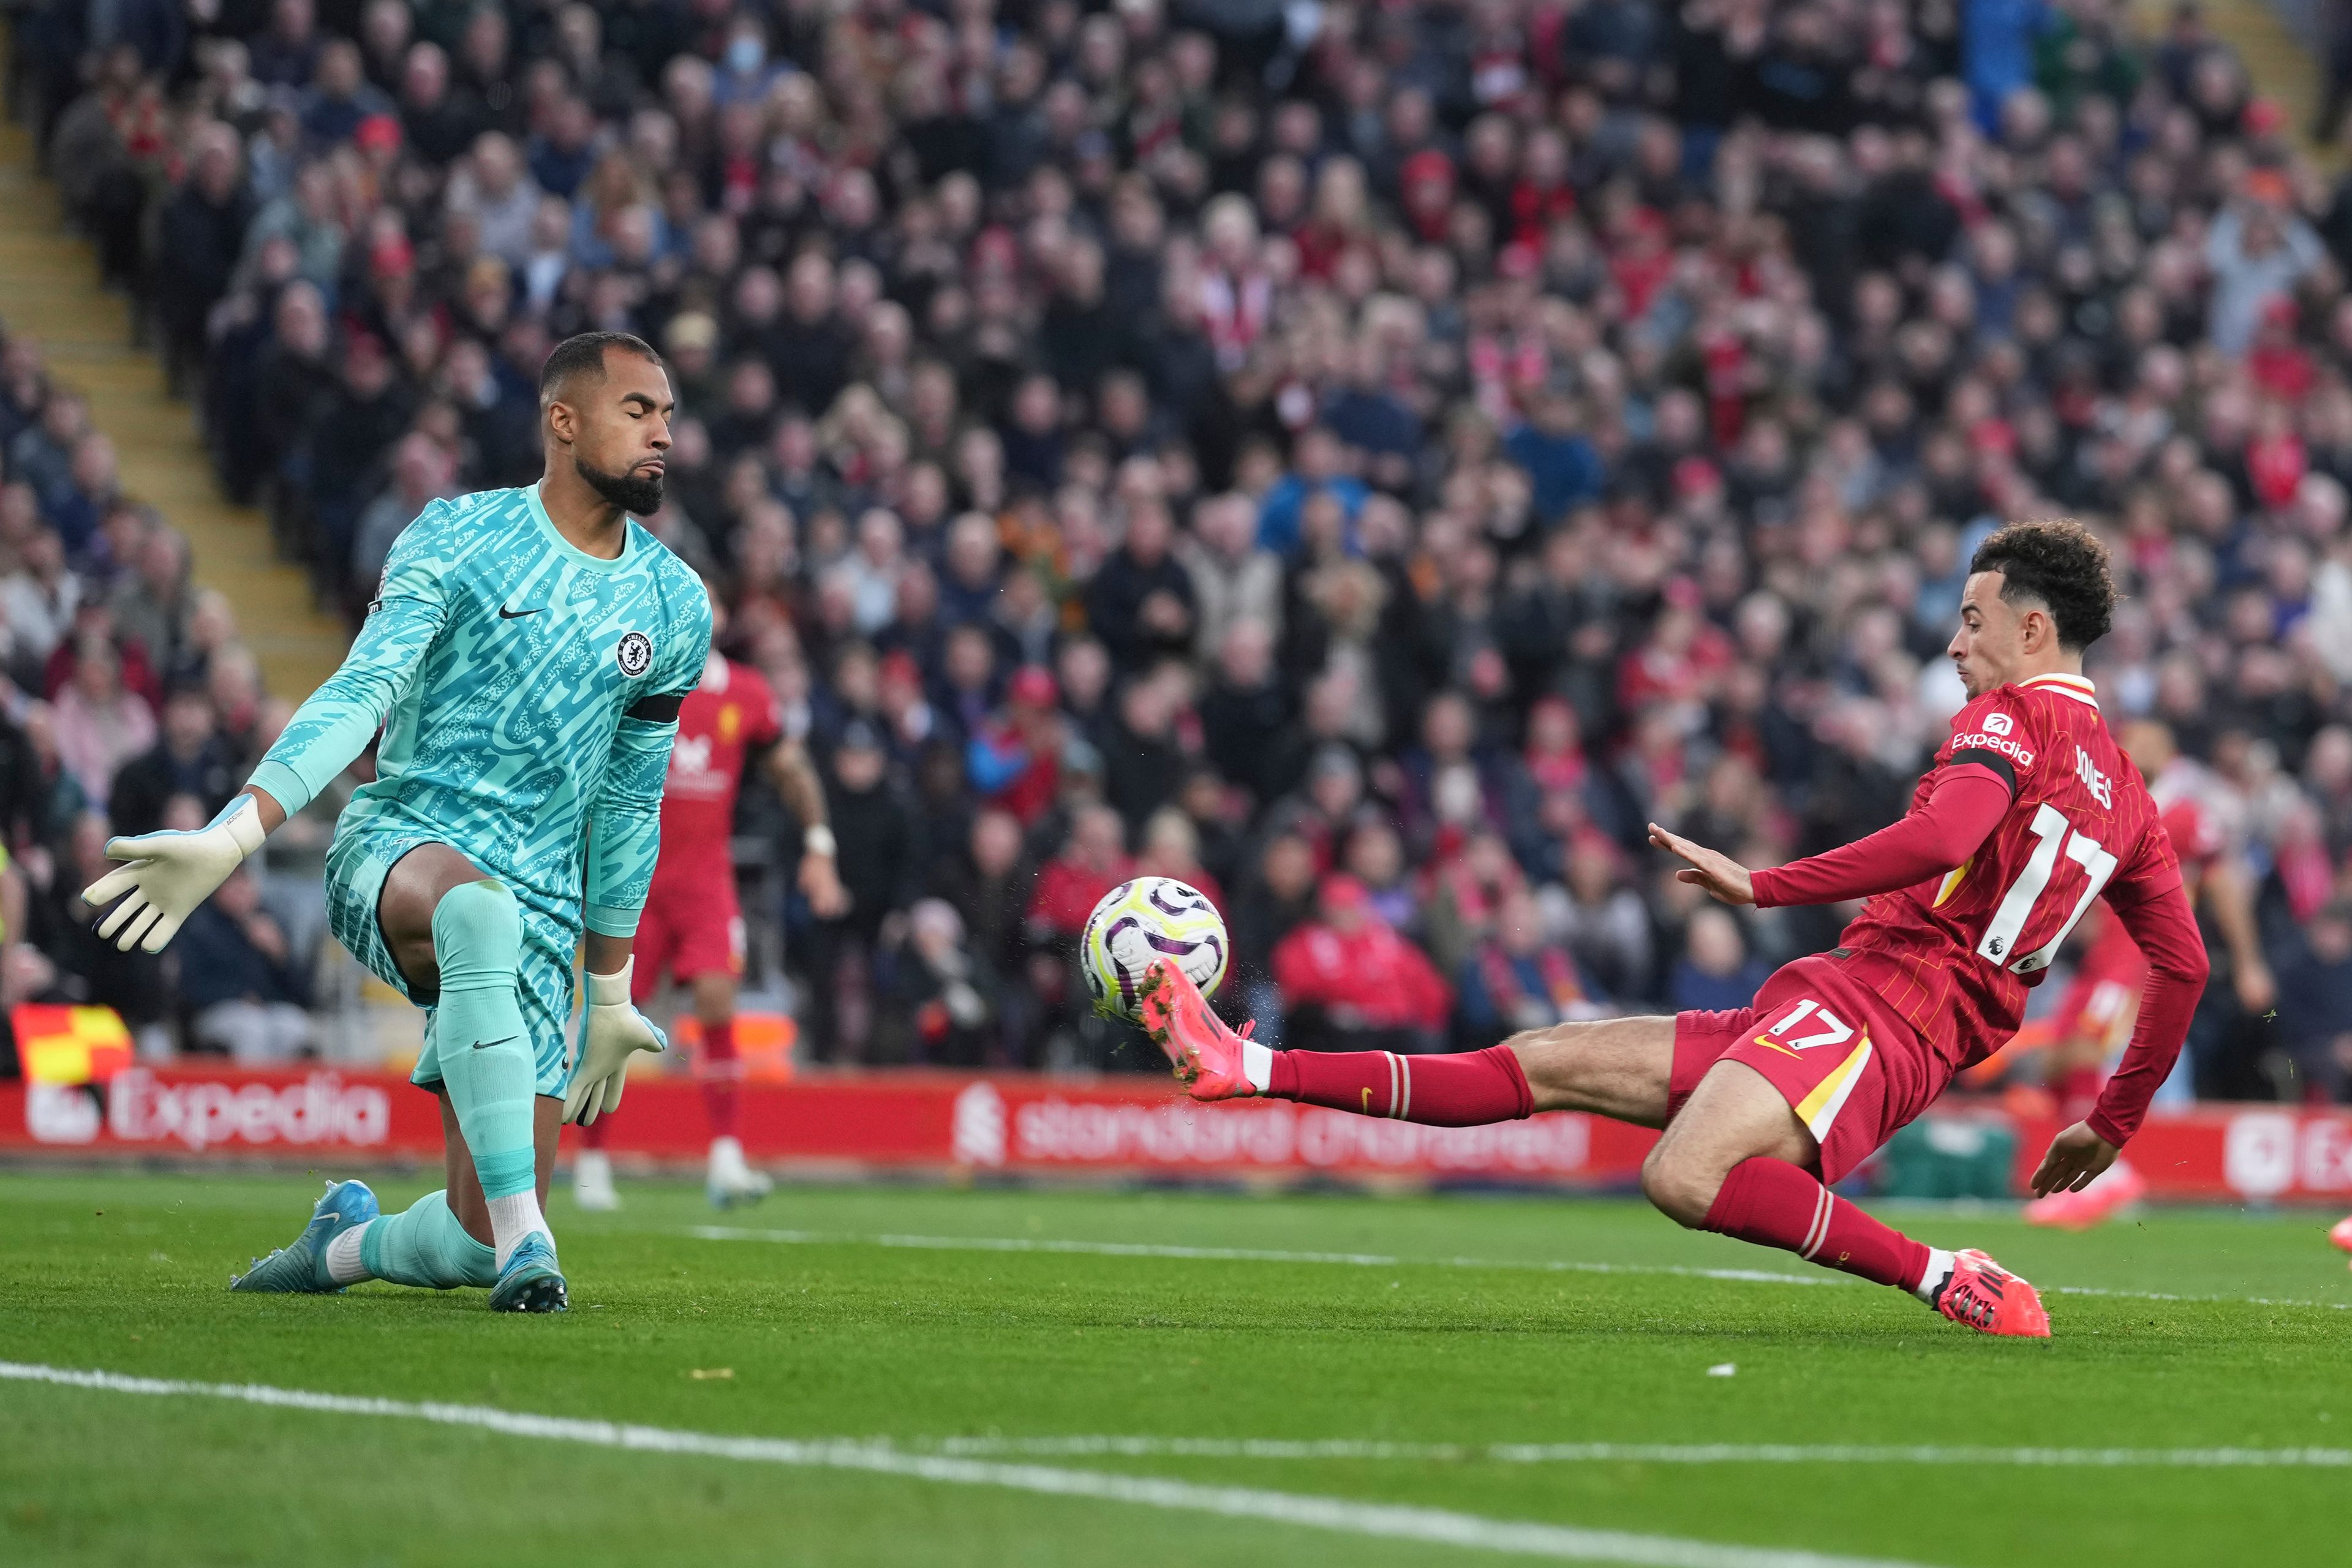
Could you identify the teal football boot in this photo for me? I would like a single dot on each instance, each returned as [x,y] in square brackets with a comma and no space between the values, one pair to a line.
[302,1265]
[531,1282]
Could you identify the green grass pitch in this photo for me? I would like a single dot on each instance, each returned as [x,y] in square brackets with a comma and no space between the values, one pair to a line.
[1023,1323]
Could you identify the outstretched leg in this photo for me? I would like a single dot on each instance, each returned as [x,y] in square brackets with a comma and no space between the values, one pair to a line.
[1618,1068]
[1735,1157]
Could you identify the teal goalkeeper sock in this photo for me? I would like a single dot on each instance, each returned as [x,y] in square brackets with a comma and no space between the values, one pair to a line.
[424,1244]
[480,1041]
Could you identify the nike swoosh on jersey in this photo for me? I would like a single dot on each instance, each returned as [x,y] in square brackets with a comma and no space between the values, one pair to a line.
[506,615]
[486,1045]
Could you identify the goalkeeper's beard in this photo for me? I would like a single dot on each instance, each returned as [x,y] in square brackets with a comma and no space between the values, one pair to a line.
[639,495]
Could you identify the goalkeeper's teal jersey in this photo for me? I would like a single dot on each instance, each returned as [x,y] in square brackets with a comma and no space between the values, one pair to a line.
[526,692]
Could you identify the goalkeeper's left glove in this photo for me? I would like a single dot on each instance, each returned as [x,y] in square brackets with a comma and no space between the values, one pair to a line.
[611,1030]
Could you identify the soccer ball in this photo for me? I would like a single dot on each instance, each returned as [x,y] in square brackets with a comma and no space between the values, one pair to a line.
[1138,921]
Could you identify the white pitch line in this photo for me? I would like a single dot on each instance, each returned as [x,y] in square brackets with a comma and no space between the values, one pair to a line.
[1239,1254]
[1387,1260]
[1645,1453]
[1347,1516]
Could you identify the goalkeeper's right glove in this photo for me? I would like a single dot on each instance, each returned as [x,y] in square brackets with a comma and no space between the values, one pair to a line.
[168,874]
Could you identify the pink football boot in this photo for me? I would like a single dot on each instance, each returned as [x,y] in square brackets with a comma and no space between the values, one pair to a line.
[1991,1299]
[1207,1054]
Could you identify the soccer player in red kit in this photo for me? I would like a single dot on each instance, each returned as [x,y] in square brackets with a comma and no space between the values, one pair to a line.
[2030,813]
[692,928]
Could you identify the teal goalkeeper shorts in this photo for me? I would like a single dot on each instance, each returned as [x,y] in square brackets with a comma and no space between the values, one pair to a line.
[357,863]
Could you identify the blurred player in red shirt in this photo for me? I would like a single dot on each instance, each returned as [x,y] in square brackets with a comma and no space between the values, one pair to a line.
[2030,813]
[692,928]
[2096,1017]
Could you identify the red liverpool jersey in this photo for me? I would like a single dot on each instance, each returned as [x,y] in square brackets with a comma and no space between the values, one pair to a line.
[1954,955]
[732,715]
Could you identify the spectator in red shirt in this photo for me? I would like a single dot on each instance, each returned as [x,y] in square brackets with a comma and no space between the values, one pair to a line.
[1014,759]
[1428,181]
[2277,363]
[1349,983]
[1091,864]
[1681,658]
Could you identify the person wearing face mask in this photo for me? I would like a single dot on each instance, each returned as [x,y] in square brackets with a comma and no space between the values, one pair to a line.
[745,70]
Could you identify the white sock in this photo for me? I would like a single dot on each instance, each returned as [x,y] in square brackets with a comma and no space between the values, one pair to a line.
[343,1265]
[515,1217]
[1939,1269]
[1257,1065]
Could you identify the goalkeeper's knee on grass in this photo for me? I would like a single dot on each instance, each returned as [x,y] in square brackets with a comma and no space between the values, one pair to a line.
[485,1051]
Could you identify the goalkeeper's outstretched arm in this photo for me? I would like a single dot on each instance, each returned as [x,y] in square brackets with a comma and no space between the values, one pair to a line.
[337,722]
[164,876]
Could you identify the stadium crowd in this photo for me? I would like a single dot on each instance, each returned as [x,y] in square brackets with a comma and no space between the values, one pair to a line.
[1366,459]
[127,703]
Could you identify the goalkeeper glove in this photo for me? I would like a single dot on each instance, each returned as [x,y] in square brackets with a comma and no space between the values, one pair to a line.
[168,874]
[611,1030]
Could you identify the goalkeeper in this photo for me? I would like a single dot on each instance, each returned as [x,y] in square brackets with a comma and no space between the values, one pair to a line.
[525,659]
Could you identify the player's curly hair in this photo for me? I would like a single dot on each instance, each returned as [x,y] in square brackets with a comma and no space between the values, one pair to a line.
[2061,565]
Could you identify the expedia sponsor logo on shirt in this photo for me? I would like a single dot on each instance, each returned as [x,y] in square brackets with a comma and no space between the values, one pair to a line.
[1991,739]
[2000,723]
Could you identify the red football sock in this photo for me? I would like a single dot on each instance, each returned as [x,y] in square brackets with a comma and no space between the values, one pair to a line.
[1774,1203]
[592,1135]
[722,1073]
[1468,1091]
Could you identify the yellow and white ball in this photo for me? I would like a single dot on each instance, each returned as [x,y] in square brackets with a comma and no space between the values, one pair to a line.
[1147,919]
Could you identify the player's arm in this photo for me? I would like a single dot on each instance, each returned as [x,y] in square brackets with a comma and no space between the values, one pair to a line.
[788,764]
[168,874]
[624,820]
[2156,911]
[1941,832]
[623,842]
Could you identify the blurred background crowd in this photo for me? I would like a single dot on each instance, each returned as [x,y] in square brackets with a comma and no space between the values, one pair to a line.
[1365,458]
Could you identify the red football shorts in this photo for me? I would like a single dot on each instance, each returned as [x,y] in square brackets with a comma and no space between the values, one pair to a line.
[690,927]
[1849,1066]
